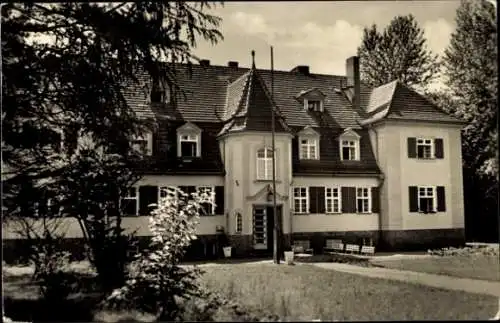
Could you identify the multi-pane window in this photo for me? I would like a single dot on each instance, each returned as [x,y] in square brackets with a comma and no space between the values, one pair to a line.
[313,105]
[265,164]
[207,193]
[167,192]
[332,200]
[426,199]
[348,149]
[308,149]
[363,200]
[424,148]
[300,200]
[142,144]
[189,145]
[130,202]
[239,222]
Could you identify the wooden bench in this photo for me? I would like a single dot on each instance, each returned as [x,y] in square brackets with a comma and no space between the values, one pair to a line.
[352,248]
[302,246]
[334,244]
[368,250]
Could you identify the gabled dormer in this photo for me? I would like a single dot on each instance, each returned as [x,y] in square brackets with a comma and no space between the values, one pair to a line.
[189,141]
[308,141]
[312,99]
[349,145]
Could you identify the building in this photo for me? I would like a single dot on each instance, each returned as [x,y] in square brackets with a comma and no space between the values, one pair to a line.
[353,163]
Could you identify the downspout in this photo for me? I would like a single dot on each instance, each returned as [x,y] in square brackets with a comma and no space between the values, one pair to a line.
[381,180]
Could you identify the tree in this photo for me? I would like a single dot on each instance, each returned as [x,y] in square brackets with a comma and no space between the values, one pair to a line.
[64,74]
[398,52]
[471,73]
[470,70]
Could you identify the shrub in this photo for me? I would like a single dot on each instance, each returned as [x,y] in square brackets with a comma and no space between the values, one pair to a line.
[156,283]
[467,251]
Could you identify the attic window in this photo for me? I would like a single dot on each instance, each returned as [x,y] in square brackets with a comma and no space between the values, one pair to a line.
[349,145]
[314,105]
[143,144]
[159,94]
[189,141]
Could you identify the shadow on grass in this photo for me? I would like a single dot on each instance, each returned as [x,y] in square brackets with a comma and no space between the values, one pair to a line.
[338,258]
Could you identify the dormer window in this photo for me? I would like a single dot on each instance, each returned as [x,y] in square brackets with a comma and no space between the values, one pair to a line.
[314,105]
[189,145]
[160,94]
[349,145]
[308,140]
[143,144]
[312,99]
[189,141]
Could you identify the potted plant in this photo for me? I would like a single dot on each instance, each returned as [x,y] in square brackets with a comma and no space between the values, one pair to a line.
[224,241]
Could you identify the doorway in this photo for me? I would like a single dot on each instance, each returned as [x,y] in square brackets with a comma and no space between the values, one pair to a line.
[263,226]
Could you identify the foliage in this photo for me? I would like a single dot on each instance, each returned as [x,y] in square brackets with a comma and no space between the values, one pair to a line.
[399,52]
[157,283]
[66,70]
[467,251]
[471,71]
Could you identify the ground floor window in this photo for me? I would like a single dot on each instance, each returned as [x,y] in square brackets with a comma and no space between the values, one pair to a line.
[363,200]
[300,200]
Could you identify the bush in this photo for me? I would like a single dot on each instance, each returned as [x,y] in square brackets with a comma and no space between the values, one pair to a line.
[156,283]
[467,251]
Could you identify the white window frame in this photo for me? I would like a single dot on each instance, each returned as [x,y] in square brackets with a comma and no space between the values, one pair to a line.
[304,201]
[189,137]
[146,138]
[329,197]
[350,143]
[238,222]
[425,142]
[129,196]
[310,143]
[267,162]
[317,108]
[426,194]
[212,195]
[363,197]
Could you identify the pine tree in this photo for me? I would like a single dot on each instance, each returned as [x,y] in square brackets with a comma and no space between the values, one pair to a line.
[398,52]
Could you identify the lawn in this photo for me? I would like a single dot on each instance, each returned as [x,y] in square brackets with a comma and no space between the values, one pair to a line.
[300,292]
[304,292]
[475,266]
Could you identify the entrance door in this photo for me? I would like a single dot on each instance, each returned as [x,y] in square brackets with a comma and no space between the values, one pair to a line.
[263,227]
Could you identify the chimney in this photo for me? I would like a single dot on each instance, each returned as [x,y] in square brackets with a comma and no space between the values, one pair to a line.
[204,62]
[232,64]
[353,79]
[301,69]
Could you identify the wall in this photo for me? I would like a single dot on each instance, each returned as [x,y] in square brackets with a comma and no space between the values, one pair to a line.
[242,187]
[401,172]
[335,222]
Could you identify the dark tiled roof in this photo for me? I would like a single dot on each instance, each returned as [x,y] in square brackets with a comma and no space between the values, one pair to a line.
[219,99]
[396,101]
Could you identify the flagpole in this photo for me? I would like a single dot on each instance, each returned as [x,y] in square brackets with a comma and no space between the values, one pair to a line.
[276,255]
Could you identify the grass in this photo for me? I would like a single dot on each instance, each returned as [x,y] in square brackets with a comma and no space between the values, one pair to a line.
[304,292]
[468,266]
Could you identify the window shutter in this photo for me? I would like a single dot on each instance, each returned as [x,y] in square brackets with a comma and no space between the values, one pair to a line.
[375,200]
[313,200]
[441,200]
[219,200]
[147,196]
[155,148]
[321,200]
[438,148]
[348,200]
[412,147]
[413,198]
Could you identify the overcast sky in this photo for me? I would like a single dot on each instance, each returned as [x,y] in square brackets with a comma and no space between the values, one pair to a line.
[319,34]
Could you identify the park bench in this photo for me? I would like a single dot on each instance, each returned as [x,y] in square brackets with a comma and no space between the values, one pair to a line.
[367,250]
[334,245]
[302,246]
[352,248]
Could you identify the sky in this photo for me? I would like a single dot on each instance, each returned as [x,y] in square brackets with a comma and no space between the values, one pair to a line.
[320,34]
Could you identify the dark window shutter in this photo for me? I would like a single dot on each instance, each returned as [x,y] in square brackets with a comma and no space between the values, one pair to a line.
[348,200]
[413,198]
[147,195]
[412,147]
[321,200]
[313,200]
[441,200]
[155,150]
[188,190]
[375,200]
[219,200]
[438,148]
